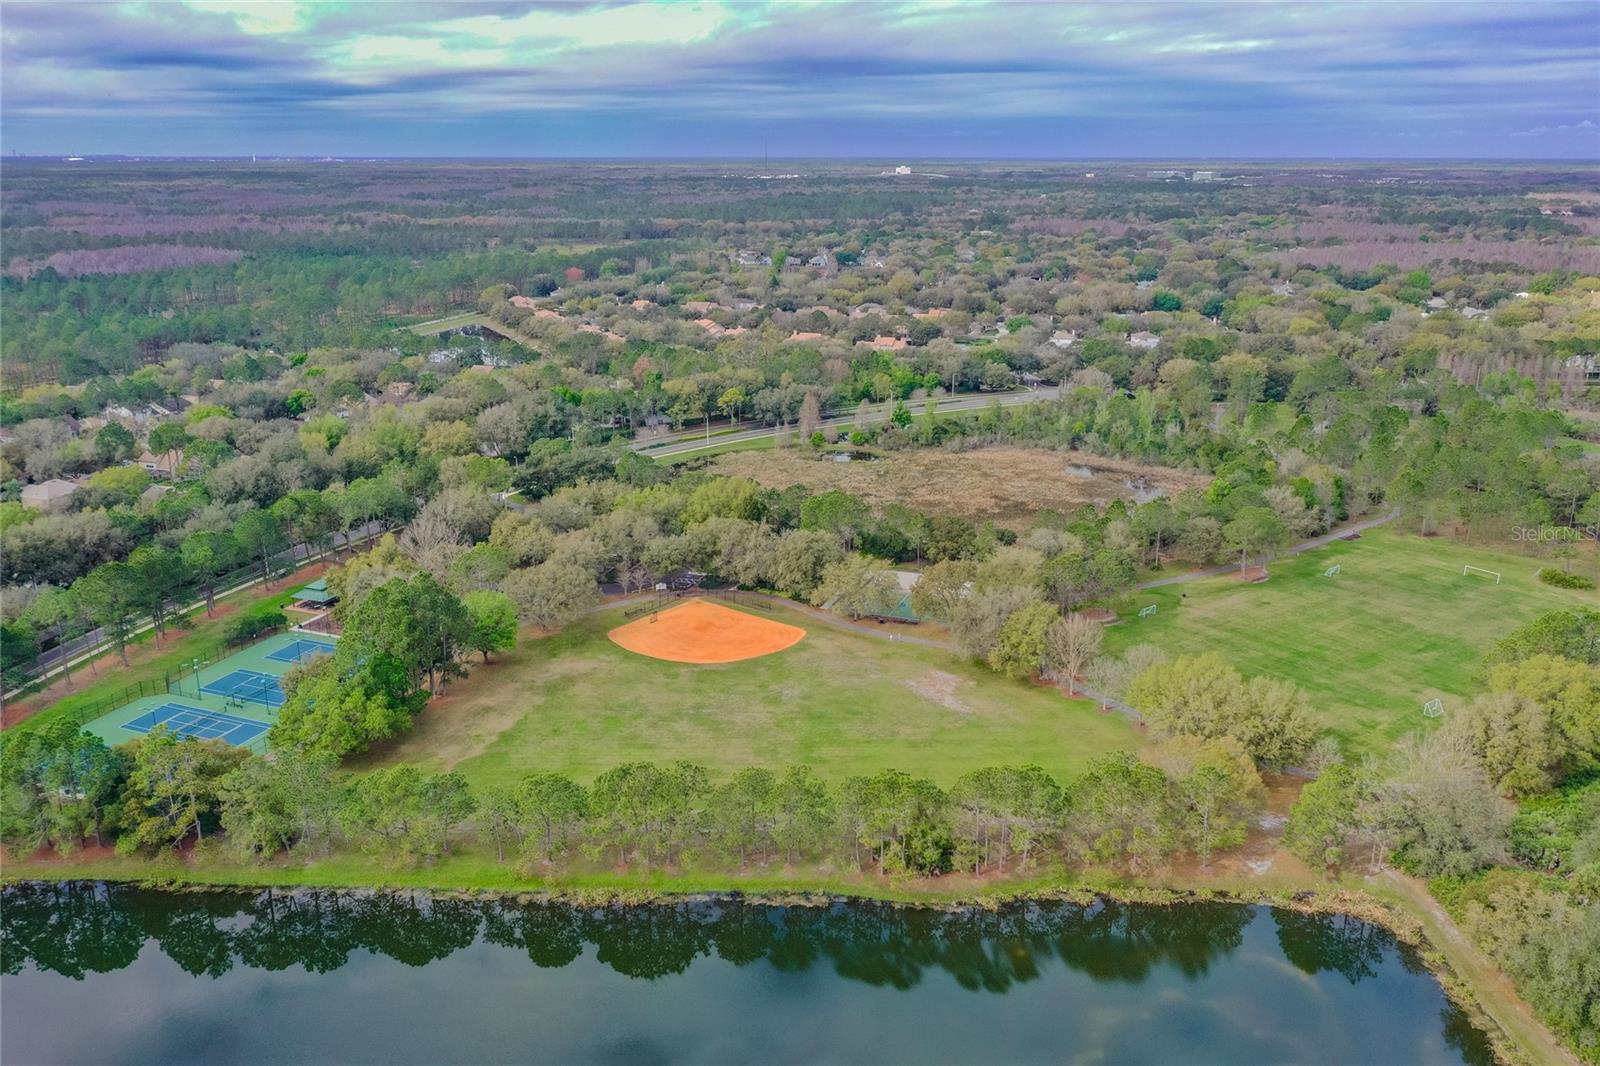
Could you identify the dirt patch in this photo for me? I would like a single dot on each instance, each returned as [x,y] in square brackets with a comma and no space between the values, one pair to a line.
[1004,484]
[1104,615]
[1262,852]
[700,631]
[936,686]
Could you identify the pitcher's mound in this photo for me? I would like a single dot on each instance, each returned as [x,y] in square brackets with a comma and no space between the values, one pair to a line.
[700,631]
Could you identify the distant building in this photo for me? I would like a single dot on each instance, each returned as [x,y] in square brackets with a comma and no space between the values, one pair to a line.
[163,466]
[47,495]
[1203,175]
[1144,340]
[153,494]
[902,170]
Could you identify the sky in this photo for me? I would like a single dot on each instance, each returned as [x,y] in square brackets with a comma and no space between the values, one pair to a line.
[809,78]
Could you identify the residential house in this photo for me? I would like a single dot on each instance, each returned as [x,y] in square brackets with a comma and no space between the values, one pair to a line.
[1064,338]
[1143,340]
[893,344]
[162,466]
[48,495]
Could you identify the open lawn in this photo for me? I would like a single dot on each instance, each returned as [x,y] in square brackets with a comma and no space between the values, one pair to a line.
[1397,626]
[846,704]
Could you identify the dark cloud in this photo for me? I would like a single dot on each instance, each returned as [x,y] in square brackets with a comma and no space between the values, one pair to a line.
[836,78]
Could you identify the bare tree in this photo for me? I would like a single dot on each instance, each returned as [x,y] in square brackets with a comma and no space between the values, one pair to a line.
[1070,646]
[433,542]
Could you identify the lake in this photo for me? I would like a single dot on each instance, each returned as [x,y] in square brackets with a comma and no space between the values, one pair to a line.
[108,974]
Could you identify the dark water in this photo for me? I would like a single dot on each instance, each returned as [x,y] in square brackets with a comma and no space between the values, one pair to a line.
[102,974]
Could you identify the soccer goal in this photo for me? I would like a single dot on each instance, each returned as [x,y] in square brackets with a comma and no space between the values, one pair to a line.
[1481,572]
[1332,571]
[1146,612]
[1434,708]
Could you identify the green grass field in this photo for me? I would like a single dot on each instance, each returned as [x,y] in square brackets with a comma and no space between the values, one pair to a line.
[846,704]
[1399,625]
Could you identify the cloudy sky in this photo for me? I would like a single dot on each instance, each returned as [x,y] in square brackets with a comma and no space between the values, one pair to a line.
[878,80]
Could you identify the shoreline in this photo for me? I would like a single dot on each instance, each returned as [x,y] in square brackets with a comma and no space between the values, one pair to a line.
[1396,915]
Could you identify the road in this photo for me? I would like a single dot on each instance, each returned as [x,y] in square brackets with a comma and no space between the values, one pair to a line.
[688,442]
[96,642]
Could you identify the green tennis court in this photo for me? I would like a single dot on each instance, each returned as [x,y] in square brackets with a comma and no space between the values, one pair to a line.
[241,688]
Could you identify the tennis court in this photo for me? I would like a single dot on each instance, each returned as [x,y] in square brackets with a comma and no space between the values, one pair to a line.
[248,685]
[301,649]
[187,721]
[240,685]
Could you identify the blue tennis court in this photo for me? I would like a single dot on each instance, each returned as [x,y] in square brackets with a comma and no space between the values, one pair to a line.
[202,725]
[247,685]
[300,650]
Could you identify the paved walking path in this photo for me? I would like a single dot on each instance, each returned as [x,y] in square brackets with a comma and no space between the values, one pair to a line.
[1304,546]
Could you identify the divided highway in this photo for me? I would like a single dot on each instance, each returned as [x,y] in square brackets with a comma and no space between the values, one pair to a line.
[687,442]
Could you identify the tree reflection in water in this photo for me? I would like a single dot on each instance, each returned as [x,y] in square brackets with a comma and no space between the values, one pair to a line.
[80,928]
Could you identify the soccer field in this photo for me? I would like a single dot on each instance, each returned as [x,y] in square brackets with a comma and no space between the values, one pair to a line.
[846,704]
[1398,625]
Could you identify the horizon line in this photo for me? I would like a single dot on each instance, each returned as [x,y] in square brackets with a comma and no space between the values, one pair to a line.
[322,157]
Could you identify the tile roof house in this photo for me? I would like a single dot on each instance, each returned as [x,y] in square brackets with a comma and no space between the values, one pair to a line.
[164,465]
